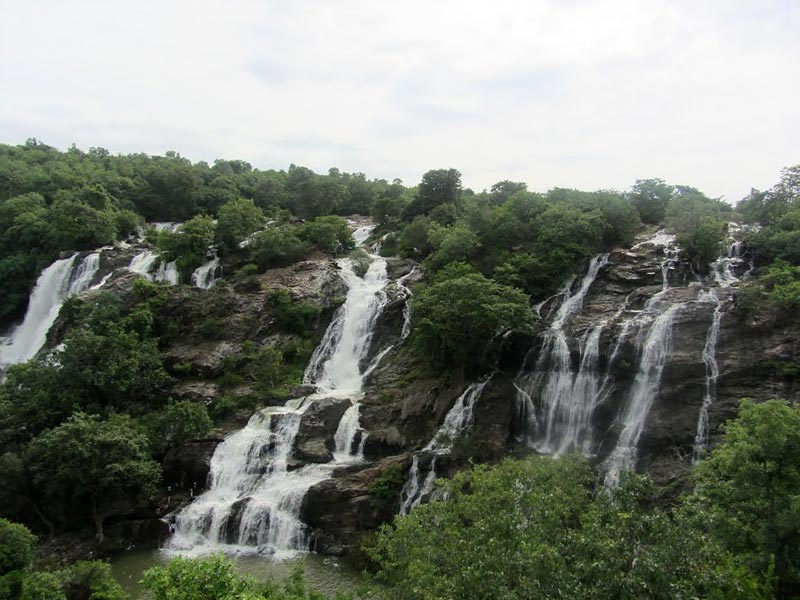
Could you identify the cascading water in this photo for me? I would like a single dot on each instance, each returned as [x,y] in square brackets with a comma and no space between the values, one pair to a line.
[167,273]
[61,280]
[143,264]
[458,419]
[566,399]
[205,276]
[712,374]
[654,349]
[253,502]
[723,270]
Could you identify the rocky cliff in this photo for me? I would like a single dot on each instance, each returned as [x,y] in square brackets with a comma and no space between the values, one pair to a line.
[623,365]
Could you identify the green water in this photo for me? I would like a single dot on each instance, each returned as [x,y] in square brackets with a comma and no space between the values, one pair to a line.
[323,573]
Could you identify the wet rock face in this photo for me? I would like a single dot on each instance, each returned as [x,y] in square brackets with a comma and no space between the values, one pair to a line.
[187,467]
[315,437]
[337,510]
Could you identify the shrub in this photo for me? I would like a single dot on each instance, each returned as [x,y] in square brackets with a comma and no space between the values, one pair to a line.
[16,546]
[276,247]
[457,321]
[294,316]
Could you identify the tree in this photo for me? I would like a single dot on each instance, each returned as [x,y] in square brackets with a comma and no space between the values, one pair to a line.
[16,547]
[77,226]
[329,234]
[91,466]
[503,190]
[747,492]
[439,186]
[456,244]
[534,529]
[457,321]
[276,247]
[178,423]
[414,241]
[650,197]
[236,220]
[698,228]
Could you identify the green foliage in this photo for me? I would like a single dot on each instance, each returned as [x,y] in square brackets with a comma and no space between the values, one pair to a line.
[293,316]
[262,363]
[457,321]
[453,271]
[237,219]
[746,493]
[779,211]
[91,580]
[698,227]
[388,484]
[85,468]
[457,243]
[188,246]
[650,197]
[16,547]
[177,423]
[782,282]
[330,234]
[214,578]
[768,208]
[276,247]
[534,529]
[209,578]
[17,276]
[439,186]
[413,242]
[41,585]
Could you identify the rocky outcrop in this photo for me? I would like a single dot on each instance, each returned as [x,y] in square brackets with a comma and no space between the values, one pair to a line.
[187,467]
[338,509]
[314,442]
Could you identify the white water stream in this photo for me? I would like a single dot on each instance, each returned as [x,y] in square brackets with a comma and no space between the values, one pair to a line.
[63,278]
[206,275]
[254,498]
[457,420]
[561,419]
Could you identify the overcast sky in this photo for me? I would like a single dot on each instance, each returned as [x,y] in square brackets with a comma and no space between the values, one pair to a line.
[570,93]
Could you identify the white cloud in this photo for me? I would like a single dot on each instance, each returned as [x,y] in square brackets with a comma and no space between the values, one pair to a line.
[590,94]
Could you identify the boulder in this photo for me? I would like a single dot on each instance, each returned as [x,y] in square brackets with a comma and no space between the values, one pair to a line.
[338,509]
[187,467]
[315,437]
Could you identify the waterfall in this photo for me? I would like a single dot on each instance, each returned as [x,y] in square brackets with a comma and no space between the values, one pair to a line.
[170,226]
[654,348]
[712,374]
[567,399]
[347,435]
[458,419]
[143,263]
[167,273]
[337,363]
[407,294]
[205,276]
[63,278]
[254,497]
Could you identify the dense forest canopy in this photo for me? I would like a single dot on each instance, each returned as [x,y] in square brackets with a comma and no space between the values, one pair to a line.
[84,426]
[53,201]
